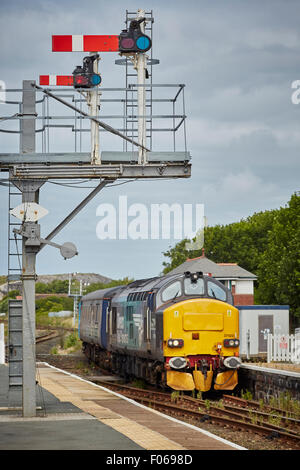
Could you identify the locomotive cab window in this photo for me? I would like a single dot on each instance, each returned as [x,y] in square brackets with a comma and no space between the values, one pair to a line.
[172,291]
[194,288]
[216,291]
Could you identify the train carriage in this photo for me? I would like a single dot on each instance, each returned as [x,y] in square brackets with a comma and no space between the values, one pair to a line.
[179,330]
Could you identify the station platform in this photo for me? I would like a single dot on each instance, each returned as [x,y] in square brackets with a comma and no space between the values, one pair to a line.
[75,414]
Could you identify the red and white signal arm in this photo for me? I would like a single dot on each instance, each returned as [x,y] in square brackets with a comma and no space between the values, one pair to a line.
[85,43]
[56,80]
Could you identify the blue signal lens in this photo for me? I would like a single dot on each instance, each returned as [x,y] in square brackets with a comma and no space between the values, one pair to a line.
[143,43]
[95,79]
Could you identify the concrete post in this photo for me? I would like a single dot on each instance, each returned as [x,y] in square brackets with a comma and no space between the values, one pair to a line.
[2,344]
[141,96]
[94,108]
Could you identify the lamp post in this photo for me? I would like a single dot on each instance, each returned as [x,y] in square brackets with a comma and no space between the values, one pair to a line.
[76,294]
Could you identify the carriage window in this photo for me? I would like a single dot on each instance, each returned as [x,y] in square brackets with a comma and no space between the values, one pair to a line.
[114,321]
[172,291]
[98,310]
[215,291]
[194,288]
[129,313]
[145,295]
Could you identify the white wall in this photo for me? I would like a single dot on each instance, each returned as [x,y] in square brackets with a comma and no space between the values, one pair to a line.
[248,319]
[244,287]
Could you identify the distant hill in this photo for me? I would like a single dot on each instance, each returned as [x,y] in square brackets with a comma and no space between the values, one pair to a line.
[90,278]
[85,277]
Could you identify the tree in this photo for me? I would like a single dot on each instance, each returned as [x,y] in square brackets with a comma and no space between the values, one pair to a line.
[102,285]
[266,244]
[279,266]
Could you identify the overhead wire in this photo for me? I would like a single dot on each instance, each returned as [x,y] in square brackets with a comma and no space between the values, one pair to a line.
[108,186]
[5,118]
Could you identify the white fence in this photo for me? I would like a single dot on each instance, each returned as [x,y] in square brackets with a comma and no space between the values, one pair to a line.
[284,348]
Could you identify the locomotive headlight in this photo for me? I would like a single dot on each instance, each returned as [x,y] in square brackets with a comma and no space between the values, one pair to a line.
[231,343]
[175,343]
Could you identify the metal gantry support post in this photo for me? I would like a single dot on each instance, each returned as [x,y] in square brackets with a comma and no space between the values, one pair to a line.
[26,370]
[136,100]
[23,374]
[141,65]
[93,102]
[30,193]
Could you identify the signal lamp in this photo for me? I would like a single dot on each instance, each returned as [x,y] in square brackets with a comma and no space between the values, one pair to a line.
[175,343]
[231,343]
[84,76]
[134,40]
[193,276]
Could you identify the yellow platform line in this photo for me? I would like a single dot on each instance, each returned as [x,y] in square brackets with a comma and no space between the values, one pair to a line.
[81,395]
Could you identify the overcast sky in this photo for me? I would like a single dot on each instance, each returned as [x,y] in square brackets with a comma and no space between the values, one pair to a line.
[237,59]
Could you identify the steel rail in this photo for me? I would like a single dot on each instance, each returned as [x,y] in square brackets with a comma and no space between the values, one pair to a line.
[242,402]
[214,414]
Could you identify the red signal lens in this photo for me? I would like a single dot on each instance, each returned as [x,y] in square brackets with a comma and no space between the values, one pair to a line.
[81,80]
[127,43]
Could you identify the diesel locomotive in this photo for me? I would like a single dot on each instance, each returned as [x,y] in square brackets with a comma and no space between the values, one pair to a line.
[180,331]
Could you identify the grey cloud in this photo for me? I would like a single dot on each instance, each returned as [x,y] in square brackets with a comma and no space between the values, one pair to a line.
[238,60]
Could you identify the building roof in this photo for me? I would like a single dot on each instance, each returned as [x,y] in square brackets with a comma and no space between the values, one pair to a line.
[218,270]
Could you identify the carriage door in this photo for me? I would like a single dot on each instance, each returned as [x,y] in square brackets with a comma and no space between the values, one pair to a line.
[130,325]
[265,327]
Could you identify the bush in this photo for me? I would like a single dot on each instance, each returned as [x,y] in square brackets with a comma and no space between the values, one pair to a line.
[52,304]
[71,341]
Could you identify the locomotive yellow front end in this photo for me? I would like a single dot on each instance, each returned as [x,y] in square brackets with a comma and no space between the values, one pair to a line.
[201,345]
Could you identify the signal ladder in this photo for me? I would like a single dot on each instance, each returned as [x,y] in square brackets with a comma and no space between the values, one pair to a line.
[14,261]
[131,91]
[14,271]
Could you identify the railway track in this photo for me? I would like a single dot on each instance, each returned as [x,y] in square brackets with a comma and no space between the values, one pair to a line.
[242,403]
[40,339]
[47,337]
[200,411]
